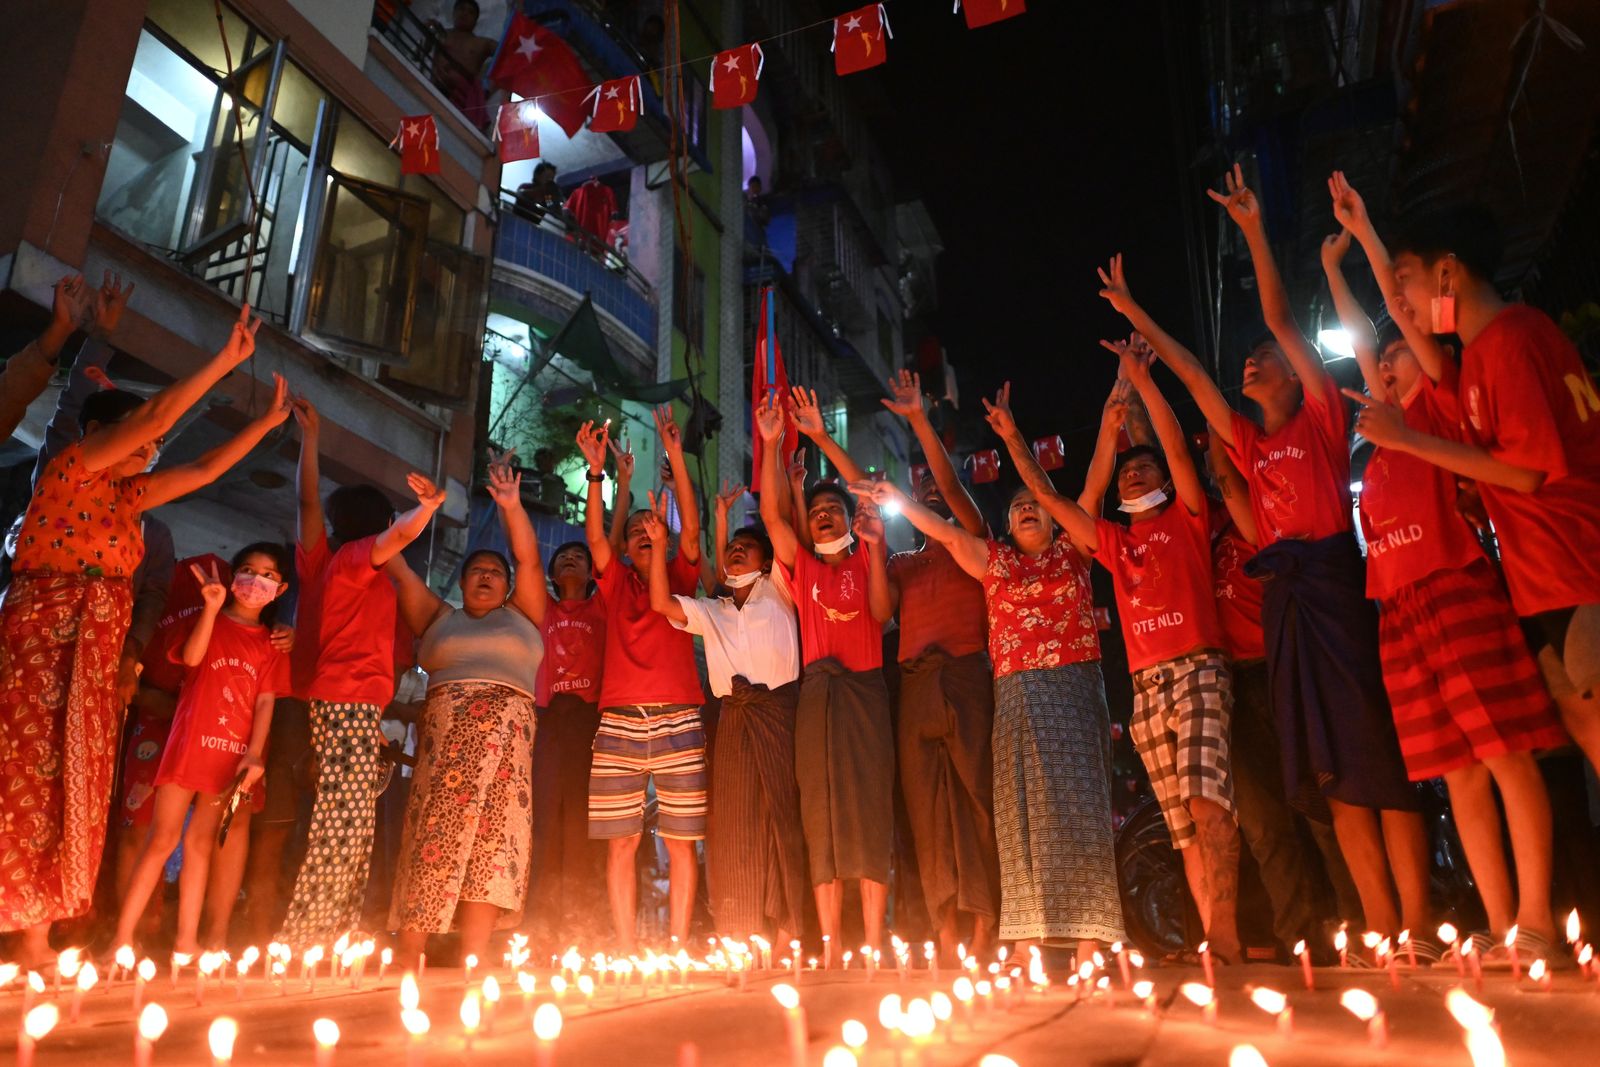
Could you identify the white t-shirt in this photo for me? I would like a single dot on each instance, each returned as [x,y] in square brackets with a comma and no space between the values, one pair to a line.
[760,641]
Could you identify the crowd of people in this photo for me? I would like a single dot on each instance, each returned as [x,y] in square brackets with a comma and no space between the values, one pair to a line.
[1280,679]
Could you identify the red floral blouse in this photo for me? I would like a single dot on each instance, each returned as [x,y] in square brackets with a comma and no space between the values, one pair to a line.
[83,522]
[1041,608]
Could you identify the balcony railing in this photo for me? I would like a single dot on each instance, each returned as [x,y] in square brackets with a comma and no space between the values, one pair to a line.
[420,44]
[552,247]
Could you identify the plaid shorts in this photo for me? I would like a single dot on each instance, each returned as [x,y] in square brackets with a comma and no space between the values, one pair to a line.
[1461,681]
[1181,720]
[638,743]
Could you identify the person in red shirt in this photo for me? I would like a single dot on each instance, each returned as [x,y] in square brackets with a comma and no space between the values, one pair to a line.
[844,743]
[650,697]
[1530,438]
[946,712]
[216,745]
[1469,702]
[564,859]
[1334,721]
[346,624]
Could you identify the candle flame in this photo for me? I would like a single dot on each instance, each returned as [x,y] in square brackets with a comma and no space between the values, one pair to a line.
[1143,988]
[87,976]
[313,956]
[67,963]
[124,957]
[1448,934]
[1402,937]
[839,1056]
[1573,929]
[1246,1056]
[1371,939]
[1484,1046]
[786,995]
[1085,969]
[326,1031]
[1104,983]
[152,1022]
[1384,948]
[854,1032]
[1341,940]
[1197,993]
[1269,1000]
[471,1010]
[527,982]
[890,1012]
[410,995]
[491,990]
[942,1007]
[1511,937]
[962,988]
[36,981]
[1099,960]
[415,1021]
[1205,947]
[547,1022]
[472,962]
[1585,954]
[8,971]
[994,1059]
[147,969]
[1299,950]
[918,1021]
[559,984]
[40,1021]
[1536,971]
[586,985]
[1360,1003]
[1116,948]
[983,989]
[386,957]
[249,956]
[1136,958]
[223,1033]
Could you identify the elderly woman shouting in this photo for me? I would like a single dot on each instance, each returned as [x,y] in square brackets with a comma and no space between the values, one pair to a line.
[468,824]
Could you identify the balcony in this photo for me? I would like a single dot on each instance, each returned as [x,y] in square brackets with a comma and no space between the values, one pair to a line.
[543,256]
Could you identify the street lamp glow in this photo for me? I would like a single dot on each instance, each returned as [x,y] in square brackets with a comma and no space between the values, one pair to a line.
[1336,342]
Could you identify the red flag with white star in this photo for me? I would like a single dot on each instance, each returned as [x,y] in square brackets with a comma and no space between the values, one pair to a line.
[517,130]
[736,75]
[983,12]
[1050,453]
[616,106]
[858,38]
[535,63]
[418,140]
[985,466]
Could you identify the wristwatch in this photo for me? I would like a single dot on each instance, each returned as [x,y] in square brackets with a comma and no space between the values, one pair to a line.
[595,476]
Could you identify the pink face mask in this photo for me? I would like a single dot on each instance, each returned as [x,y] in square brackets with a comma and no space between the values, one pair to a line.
[254,591]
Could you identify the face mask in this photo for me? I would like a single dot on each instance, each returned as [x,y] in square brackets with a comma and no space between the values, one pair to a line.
[254,591]
[828,548]
[739,581]
[1153,499]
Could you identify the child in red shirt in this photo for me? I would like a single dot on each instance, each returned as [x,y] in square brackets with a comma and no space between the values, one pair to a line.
[216,745]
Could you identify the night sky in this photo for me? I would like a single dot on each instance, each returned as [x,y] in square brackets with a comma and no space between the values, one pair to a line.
[1041,146]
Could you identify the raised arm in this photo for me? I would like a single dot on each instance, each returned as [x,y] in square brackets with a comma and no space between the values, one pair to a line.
[655,528]
[1245,210]
[868,527]
[153,418]
[1078,523]
[1351,211]
[592,441]
[1113,416]
[682,485]
[88,374]
[1385,425]
[410,524]
[308,475]
[167,485]
[1234,489]
[969,551]
[807,415]
[418,605]
[213,595]
[907,401]
[530,593]
[1352,316]
[769,425]
[1185,479]
[1213,405]
[794,501]
[719,541]
[622,493]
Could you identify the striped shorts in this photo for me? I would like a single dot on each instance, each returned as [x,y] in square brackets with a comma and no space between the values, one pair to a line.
[1461,681]
[635,744]
[1182,712]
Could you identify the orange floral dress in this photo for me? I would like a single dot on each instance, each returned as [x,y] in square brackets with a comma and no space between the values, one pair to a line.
[61,629]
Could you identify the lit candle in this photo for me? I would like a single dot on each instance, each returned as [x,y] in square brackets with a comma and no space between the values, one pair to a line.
[1574,929]
[1403,939]
[943,1009]
[918,1022]
[180,960]
[385,958]
[1539,975]
[1203,997]
[932,958]
[1586,960]
[470,964]
[416,1023]
[223,1033]
[827,951]
[558,986]
[1246,1056]
[31,989]
[141,977]
[963,990]
[1511,950]
[1448,935]
[1304,953]
[87,976]
[491,1000]
[152,1024]
[794,960]
[1470,952]
[35,1025]
[1364,1006]
[471,1015]
[202,971]
[326,1033]
[1483,1041]
[985,990]
[546,1029]
[1341,942]
[839,1056]
[1275,1004]
[1205,964]
[788,998]
[312,959]
[1002,986]
[527,983]
[122,963]
[1145,990]
[67,966]
[8,973]
[1387,957]
[1122,964]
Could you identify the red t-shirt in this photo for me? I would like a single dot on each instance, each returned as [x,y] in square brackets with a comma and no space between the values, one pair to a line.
[1238,596]
[1041,609]
[352,633]
[940,604]
[835,618]
[1161,570]
[1408,506]
[160,670]
[1299,476]
[217,704]
[647,660]
[574,634]
[1526,398]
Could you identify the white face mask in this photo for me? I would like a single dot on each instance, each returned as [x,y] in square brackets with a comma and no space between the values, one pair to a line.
[828,548]
[1153,499]
[739,581]
[254,591]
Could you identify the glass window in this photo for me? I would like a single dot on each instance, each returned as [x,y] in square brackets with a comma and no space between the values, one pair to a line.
[447,326]
[192,25]
[360,153]
[366,268]
[444,218]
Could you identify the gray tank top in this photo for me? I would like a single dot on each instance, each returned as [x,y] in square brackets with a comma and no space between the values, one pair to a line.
[503,648]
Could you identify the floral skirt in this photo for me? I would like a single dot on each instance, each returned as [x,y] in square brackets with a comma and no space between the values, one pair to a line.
[60,641]
[469,821]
